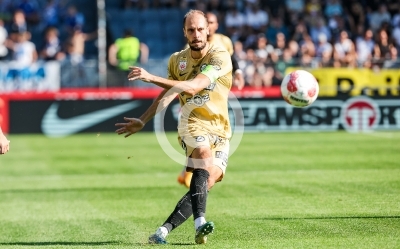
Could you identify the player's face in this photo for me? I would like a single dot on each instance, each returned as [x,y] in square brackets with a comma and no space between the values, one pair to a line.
[196,31]
[212,23]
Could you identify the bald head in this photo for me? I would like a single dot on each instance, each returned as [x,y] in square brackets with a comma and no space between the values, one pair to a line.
[191,13]
[195,29]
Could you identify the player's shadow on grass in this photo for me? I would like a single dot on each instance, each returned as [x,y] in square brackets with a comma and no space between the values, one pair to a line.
[328,218]
[61,243]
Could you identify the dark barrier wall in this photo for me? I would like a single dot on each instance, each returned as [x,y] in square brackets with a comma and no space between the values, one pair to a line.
[65,117]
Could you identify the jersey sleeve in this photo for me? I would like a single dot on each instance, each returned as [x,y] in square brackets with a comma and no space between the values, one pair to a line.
[219,65]
[228,44]
[171,66]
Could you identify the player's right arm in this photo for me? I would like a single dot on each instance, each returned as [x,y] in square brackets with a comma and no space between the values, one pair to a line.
[4,143]
[134,125]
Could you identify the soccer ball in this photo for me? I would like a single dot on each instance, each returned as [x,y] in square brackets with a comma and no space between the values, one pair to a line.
[299,88]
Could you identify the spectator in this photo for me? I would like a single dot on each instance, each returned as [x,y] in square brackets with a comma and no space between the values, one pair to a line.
[365,47]
[279,46]
[299,31]
[324,51]
[392,61]
[379,17]
[249,69]
[18,24]
[239,54]
[125,51]
[314,7]
[294,48]
[256,18]
[283,63]
[396,18]
[52,49]
[323,46]
[277,26]
[307,51]
[75,45]
[3,40]
[74,20]
[264,49]
[31,11]
[23,50]
[23,56]
[333,8]
[396,34]
[319,28]
[234,23]
[295,6]
[337,24]
[51,14]
[384,48]
[344,52]
[356,17]
[326,59]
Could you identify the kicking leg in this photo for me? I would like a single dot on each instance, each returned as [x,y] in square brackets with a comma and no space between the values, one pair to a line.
[181,213]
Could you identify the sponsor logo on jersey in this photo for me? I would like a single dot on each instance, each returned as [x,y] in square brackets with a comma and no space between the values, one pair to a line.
[200,139]
[210,87]
[198,99]
[182,63]
[223,156]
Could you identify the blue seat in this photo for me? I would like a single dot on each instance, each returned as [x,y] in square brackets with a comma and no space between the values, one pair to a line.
[173,45]
[116,30]
[113,4]
[153,29]
[172,30]
[174,15]
[149,15]
[156,48]
[113,14]
[130,15]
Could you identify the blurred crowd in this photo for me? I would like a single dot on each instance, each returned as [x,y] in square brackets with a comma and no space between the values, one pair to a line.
[271,35]
[268,35]
[29,33]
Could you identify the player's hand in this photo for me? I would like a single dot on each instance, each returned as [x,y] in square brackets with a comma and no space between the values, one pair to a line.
[138,73]
[238,80]
[4,144]
[134,125]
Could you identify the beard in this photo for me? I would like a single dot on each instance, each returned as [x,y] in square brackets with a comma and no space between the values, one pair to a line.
[197,46]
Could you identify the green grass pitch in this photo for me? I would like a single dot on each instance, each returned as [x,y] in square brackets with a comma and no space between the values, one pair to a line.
[281,190]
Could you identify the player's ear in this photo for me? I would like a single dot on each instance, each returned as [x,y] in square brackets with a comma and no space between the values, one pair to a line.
[184,33]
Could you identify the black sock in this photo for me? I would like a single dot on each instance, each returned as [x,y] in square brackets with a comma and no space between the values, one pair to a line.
[181,213]
[198,192]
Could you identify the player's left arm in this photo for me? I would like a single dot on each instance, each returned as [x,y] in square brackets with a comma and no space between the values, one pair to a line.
[217,68]
[189,87]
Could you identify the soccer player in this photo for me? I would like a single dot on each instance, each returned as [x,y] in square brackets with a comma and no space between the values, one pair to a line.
[201,76]
[220,40]
[4,143]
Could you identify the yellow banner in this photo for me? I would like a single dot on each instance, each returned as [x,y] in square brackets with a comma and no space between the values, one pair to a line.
[354,82]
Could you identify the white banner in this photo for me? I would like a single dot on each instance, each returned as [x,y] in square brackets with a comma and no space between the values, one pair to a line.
[41,76]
